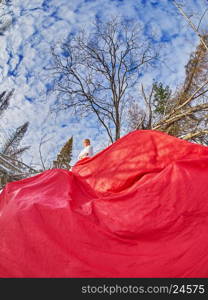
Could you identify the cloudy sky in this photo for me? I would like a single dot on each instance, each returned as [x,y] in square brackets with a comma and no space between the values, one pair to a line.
[25,57]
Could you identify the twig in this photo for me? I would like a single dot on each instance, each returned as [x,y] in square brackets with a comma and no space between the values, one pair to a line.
[202,18]
[190,23]
[194,134]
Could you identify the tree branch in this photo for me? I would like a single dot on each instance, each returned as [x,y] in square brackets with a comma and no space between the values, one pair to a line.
[190,23]
[195,134]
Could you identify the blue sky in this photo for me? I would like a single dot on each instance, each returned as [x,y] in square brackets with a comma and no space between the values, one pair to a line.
[25,57]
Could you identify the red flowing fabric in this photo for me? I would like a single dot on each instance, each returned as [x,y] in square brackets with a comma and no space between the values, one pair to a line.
[139,208]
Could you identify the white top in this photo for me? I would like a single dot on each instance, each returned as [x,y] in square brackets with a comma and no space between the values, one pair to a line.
[86,152]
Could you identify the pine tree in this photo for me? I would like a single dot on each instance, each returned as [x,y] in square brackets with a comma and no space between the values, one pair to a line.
[64,157]
[11,168]
[11,146]
[4,101]
[160,99]
[5,17]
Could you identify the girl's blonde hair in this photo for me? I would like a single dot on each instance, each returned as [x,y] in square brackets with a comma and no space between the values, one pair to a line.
[87,141]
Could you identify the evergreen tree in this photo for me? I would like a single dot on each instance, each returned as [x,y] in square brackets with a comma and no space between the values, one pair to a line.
[160,99]
[65,155]
[11,168]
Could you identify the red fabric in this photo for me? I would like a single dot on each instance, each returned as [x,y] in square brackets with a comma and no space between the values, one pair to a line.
[139,208]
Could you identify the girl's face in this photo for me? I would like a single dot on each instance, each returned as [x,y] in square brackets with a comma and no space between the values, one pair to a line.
[85,144]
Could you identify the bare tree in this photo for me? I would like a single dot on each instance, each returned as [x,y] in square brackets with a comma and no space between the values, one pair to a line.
[44,158]
[184,112]
[188,116]
[96,72]
[192,25]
